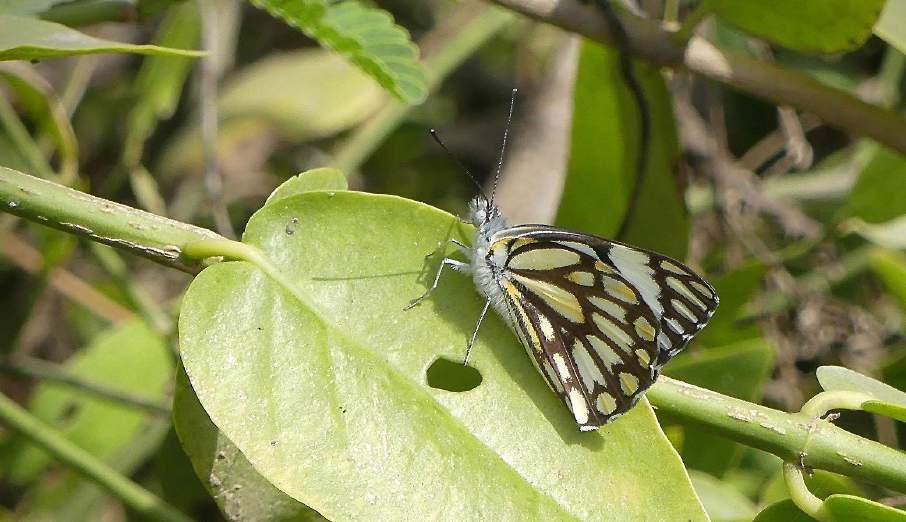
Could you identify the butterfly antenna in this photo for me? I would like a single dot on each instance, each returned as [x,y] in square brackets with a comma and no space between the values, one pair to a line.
[506,133]
[456,160]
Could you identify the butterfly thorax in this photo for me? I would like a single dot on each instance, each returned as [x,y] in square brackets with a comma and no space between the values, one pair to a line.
[487,266]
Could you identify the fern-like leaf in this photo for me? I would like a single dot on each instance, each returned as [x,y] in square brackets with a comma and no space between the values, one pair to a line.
[366,36]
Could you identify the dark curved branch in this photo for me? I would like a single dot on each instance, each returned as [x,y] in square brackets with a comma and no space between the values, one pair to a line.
[649,41]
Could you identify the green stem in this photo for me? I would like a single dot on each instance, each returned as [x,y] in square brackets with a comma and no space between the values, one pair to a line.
[467,36]
[25,366]
[801,496]
[91,12]
[791,436]
[133,495]
[157,238]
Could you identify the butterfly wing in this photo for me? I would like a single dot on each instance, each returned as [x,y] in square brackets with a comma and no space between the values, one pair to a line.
[598,318]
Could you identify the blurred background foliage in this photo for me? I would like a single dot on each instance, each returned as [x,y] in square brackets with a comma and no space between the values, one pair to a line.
[801,226]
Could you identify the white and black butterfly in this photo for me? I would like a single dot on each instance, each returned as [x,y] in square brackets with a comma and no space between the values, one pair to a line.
[598,318]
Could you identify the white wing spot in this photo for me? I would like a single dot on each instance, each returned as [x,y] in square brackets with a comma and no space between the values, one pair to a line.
[581,247]
[562,369]
[680,307]
[580,409]
[581,278]
[544,259]
[606,305]
[702,289]
[588,370]
[633,265]
[673,267]
[547,329]
[684,291]
[674,325]
[605,352]
[621,338]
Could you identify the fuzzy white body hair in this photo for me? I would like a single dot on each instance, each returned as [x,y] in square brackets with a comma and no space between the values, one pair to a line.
[486,271]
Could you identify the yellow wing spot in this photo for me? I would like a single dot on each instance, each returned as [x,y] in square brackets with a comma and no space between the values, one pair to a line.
[511,289]
[521,242]
[684,291]
[604,268]
[544,259]
[516,298]
[683,310]
[581,247]
[644,329]
[613,332]
[608,356]
[559,299]
[673,267]
[581,278]
[619,290]
[702,289]
[615,310]
[629,383]
[643,357]
[605,403]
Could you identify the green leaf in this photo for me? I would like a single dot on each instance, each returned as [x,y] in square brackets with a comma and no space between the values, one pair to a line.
[27,7]
[240,492]
[783,511]
[844,379]
[848,507]
[603,155]
[25,38]
[722,502]
[308,94]
[365,36]
[736,289]
[890,26]
[739,370]
[315,179]
[130,359]
[160,80]
[328,395]
[883,175]
[824,26]
[890,267]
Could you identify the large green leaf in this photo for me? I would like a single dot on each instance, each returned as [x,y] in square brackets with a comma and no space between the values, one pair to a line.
[240,492]
[884,174]
[826,26]
[722,501]
[366,36]
[322,385]
[603,157]
[23,38]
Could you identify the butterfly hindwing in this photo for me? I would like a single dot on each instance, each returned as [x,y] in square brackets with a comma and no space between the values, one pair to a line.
[592,314]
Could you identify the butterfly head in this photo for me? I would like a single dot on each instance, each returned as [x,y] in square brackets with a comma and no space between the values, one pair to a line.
[486,217]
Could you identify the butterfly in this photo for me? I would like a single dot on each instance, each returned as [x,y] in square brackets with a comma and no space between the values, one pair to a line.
[598,318]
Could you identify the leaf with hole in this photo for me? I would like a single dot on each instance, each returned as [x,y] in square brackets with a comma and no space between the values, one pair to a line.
[328,393]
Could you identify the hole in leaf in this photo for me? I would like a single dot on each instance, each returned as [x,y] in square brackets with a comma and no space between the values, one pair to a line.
[453,376]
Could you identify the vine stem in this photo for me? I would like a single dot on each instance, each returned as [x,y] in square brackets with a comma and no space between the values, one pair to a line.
[649,41]
[133,495]
[794,437]
[801,496]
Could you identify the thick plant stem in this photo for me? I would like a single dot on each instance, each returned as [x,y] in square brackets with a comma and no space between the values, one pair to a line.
[794,437]
[133,495]
[157,238]
[649,41]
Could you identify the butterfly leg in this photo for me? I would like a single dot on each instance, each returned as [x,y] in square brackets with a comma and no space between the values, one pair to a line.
[484,311]
[459,266]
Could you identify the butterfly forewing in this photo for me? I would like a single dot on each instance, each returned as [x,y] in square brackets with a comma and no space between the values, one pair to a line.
[597,317]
